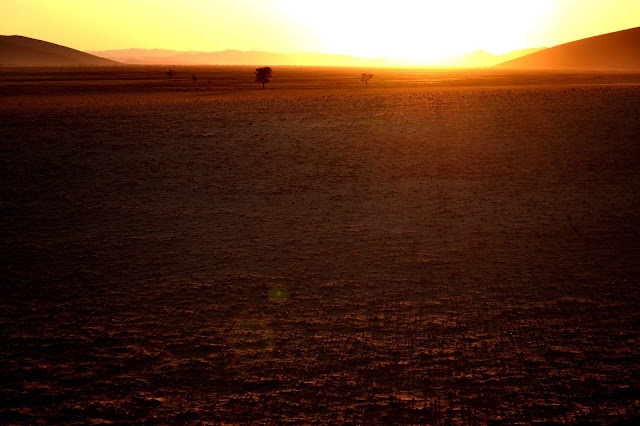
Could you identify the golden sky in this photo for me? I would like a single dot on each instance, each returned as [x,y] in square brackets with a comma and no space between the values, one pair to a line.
[417,30]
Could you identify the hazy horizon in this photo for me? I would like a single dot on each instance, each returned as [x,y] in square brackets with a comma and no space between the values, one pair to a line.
[158,56]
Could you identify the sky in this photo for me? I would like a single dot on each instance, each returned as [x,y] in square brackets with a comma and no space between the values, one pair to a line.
[416,30]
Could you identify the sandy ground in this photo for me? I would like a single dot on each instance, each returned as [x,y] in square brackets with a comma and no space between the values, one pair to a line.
[443,246]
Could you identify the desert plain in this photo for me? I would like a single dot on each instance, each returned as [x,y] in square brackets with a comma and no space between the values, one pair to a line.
[443,246]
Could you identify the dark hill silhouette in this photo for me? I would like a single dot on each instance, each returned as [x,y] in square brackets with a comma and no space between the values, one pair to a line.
[25,51]
[618,50]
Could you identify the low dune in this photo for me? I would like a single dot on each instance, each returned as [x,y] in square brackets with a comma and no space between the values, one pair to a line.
[25,51]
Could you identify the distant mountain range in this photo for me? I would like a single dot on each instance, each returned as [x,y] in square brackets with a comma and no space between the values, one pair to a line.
[235,57]
[618,50]
[25,51]
[478,58]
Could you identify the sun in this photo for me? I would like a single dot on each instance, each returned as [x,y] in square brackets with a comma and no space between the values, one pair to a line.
[421,31]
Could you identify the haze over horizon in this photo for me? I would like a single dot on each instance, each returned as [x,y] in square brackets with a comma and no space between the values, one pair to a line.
[424,32]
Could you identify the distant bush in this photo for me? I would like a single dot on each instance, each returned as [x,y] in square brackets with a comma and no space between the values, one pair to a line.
[171,73]
[365,79]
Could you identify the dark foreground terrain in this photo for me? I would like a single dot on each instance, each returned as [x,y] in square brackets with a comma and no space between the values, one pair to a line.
[440,247]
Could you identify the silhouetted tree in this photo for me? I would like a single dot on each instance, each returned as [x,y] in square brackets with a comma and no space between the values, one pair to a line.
[365,79]
[171,73]
[194,78]
[263,75]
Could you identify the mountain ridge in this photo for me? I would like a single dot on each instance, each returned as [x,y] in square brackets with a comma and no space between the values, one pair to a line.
[616,50]
[137,56]
[481,58]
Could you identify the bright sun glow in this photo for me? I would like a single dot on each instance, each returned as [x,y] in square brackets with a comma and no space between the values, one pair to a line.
[417,29]
[417,32]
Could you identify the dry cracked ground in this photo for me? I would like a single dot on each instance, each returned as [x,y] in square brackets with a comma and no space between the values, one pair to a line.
[437,248]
